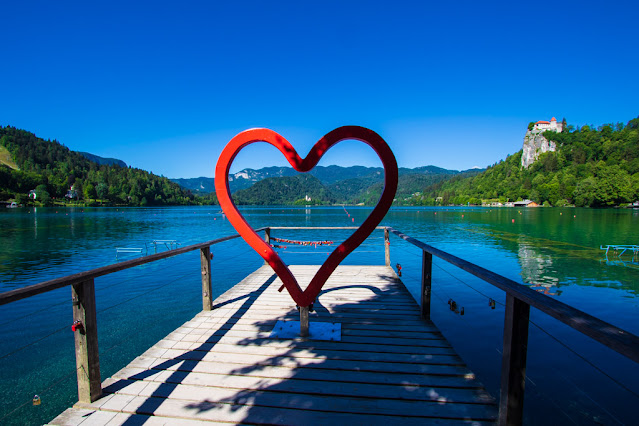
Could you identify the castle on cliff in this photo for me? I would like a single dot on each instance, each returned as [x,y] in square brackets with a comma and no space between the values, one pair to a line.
[536,144]
[542,126]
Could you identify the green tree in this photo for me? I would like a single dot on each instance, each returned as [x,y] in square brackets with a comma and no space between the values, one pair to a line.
[102,190]
[89,191]
[42,195]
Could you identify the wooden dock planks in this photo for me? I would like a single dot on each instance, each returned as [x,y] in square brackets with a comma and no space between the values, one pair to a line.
[222,366]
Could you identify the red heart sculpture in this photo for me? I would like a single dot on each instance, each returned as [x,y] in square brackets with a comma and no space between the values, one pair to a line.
[305,297]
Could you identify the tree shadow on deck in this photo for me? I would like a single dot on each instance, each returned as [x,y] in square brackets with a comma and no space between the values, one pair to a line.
[182,365]
[390,366]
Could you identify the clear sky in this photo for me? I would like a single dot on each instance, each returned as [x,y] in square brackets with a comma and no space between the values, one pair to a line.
[164,85]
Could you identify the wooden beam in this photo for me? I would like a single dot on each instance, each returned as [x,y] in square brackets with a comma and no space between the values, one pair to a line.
[43,287]
[319,227]
[86,341]
[615,338]
[267,239]
[513,365]
[427,273]
[304,325]
[205,261]
[386,248]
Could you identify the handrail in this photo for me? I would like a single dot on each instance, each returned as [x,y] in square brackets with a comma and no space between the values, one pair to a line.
[84,304]
[519,299]
[84,307]
[43,287]
[321,227]
[607,334]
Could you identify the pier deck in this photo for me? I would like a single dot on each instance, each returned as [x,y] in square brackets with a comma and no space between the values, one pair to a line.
[390,366]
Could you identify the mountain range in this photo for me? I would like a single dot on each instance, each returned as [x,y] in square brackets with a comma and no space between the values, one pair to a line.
[584,166]
[103,161]
[323,184]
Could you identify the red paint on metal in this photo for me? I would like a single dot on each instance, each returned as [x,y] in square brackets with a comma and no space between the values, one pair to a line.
[305,297]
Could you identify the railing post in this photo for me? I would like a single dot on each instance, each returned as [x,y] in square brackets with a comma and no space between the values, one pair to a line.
[513,366]
[267,238]
[304,324]
[427,273]
[205,261]
[87,358]
[386,247]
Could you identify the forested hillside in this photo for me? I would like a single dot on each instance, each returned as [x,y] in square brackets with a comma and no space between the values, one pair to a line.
[285,190]
[591,167]
[57,173]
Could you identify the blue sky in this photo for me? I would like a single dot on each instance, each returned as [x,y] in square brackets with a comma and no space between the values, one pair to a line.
[164,85]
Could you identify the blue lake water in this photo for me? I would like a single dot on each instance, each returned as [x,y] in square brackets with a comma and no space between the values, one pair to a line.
[571,379]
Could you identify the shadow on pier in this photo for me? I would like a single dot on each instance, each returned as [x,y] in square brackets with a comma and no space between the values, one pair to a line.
[389,365]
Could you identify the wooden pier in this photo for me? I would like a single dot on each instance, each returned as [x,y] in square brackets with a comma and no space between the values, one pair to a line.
[389,365]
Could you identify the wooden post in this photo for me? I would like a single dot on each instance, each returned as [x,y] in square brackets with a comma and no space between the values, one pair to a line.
[513,366]
[87,359]
[205,261]
[267,238]
[304,325]
[386,247]
[427,273]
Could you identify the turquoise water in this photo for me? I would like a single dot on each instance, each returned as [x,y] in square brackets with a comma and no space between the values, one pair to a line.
[556,251]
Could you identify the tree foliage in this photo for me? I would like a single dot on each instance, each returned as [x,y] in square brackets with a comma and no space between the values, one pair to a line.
[593,167]
[51,168]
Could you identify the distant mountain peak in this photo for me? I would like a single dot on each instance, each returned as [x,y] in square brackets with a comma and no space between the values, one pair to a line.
[103,161]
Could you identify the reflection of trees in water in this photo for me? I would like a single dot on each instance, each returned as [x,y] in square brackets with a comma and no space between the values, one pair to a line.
[537,270]
[548,265]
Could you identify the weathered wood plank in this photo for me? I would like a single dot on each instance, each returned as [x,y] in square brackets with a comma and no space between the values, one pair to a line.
[311,401]
[205,262]
[322,387]
[86,341]
[147,368]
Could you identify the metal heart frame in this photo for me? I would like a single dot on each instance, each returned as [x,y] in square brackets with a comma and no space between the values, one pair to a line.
[304,298]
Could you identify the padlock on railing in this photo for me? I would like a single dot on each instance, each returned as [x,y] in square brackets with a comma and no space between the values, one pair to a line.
[77,326]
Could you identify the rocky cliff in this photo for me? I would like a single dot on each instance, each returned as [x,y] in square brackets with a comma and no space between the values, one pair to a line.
[535,144]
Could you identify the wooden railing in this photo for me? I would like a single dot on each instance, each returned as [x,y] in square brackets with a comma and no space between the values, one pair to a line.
[84,308]
[84,305]
[519,299]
